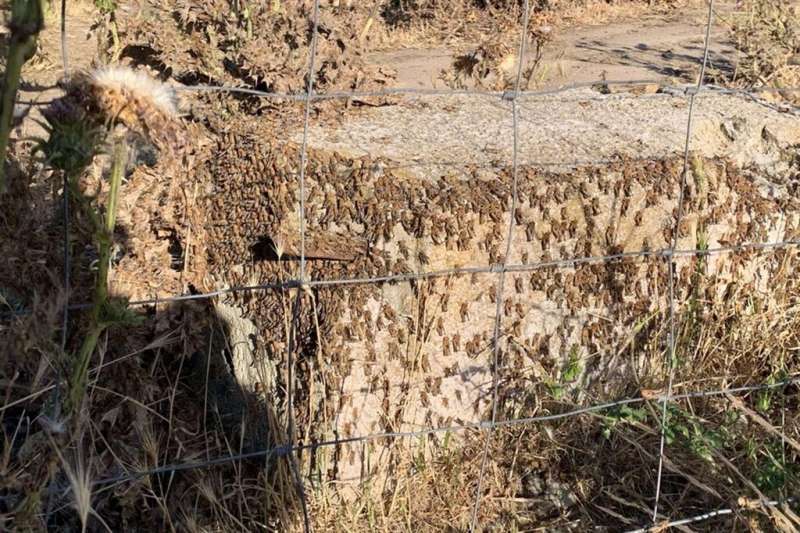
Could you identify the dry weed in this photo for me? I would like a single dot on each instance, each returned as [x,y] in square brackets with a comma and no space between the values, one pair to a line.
[767,35]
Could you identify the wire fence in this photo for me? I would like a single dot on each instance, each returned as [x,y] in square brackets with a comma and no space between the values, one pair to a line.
[500,270]
[666,90]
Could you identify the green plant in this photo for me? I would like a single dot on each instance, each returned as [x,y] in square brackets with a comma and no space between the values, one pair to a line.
[765,397]
[27,20]
[622,414]
[570,372]
[572,369]
[682,426]
[71,142]
[771,472]
[106,312]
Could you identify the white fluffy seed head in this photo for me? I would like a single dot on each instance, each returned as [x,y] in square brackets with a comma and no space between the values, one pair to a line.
[138,85]
[142,104]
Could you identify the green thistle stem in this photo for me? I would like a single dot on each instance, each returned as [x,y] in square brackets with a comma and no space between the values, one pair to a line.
[80,370]
[117,171]
[27,19]
[117,47]
[105,240]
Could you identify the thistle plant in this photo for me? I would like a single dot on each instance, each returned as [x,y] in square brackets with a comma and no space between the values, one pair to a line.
[106,111]
[27,20]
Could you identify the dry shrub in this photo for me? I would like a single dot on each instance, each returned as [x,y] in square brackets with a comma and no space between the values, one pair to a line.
[494,64]
[767,35]
[459,12]
[263,45]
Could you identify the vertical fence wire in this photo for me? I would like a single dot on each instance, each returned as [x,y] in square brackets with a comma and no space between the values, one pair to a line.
[671,264]
[66,231]
[304,146]
[293,463]
[64,51]
[65,214]
[506,261]
[298,478]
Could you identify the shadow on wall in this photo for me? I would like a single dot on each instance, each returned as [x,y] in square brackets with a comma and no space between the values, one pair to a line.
[161,392]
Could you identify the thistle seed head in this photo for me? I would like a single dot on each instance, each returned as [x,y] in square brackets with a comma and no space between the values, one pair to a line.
[143,105]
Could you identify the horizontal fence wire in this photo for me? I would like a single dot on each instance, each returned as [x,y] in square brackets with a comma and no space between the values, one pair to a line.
[570,262]
[665,89]
[279,451]
[669,89]
[490,269]
[663,526]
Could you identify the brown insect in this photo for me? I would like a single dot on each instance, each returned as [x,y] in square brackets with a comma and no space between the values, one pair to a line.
[464,311]
[456,342]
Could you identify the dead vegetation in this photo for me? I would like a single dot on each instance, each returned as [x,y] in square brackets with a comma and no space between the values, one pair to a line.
[260,45]
[495,65]
[159,390]
[766,34]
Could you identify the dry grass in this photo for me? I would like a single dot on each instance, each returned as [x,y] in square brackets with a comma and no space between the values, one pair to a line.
[150,407]
[766,34]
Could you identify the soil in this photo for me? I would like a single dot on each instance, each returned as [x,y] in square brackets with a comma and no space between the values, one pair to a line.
[662,48]
[42,75]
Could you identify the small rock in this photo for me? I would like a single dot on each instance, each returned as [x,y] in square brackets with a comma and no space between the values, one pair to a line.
[733,128]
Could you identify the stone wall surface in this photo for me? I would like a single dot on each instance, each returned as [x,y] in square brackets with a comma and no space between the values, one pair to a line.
[426,185]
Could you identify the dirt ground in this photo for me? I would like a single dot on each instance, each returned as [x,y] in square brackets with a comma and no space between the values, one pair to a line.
[661,47]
